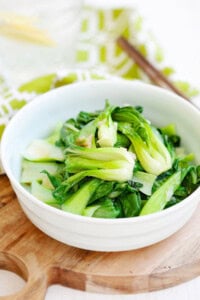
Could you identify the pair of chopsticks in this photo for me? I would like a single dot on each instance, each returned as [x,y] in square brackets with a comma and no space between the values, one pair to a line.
[154,74]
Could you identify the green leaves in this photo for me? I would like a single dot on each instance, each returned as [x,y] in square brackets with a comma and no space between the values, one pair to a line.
[84,118]
[69,132]
[131,204]
[110,164]
[122,141]
[103,209]
[77,202]
[162,195]
[148,145]
[104,189]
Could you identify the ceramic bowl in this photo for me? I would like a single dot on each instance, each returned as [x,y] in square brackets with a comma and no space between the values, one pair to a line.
[37,119]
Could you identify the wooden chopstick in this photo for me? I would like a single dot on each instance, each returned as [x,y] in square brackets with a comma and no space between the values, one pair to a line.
[154,74]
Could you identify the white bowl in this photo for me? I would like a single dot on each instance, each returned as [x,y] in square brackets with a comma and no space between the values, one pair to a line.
[39,117]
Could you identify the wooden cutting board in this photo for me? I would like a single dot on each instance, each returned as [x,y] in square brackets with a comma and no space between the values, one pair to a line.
[42,261]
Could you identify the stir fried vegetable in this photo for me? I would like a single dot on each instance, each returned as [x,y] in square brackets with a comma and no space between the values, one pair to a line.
[110,164]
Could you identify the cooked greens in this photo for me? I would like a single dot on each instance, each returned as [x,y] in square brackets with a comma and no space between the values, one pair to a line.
[111,163]
[147,144]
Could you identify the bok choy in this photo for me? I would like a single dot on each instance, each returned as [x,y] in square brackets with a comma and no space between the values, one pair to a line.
[111,163]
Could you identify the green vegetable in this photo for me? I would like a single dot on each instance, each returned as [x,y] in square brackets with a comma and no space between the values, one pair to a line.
[84,117]
[147,181]
[74,164]
[86,136]
[55,136]
[107,129]
[69,132]
[168,130]
[191,180]
[124,188]
[103,209]
[104,189]
[102,154]
[79,200]
[131,204]
[44,194]
[173,201]
[119,175]
[31,171]
[148,145]
[111,163]
[41,150]
[162,195]
[101,123]
[55,179]
[122,141]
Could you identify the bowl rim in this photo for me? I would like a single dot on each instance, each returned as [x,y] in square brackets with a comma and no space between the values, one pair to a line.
[85,219]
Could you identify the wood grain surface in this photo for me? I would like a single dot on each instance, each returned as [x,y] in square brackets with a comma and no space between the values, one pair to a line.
[42,261]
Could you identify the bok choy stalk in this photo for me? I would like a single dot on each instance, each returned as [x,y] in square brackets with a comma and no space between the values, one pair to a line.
[146,180]
[102,154]
[111,164]
[86,136]
[148,145]
[107,129]
[77,202]
[164,193]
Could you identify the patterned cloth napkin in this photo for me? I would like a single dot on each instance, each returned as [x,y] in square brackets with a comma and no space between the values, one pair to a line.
[97,56]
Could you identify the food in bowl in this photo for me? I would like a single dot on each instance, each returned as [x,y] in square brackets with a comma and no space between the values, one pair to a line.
[110,163]
[37,119]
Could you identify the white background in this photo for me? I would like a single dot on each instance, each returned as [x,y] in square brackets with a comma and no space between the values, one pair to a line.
[176,24]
